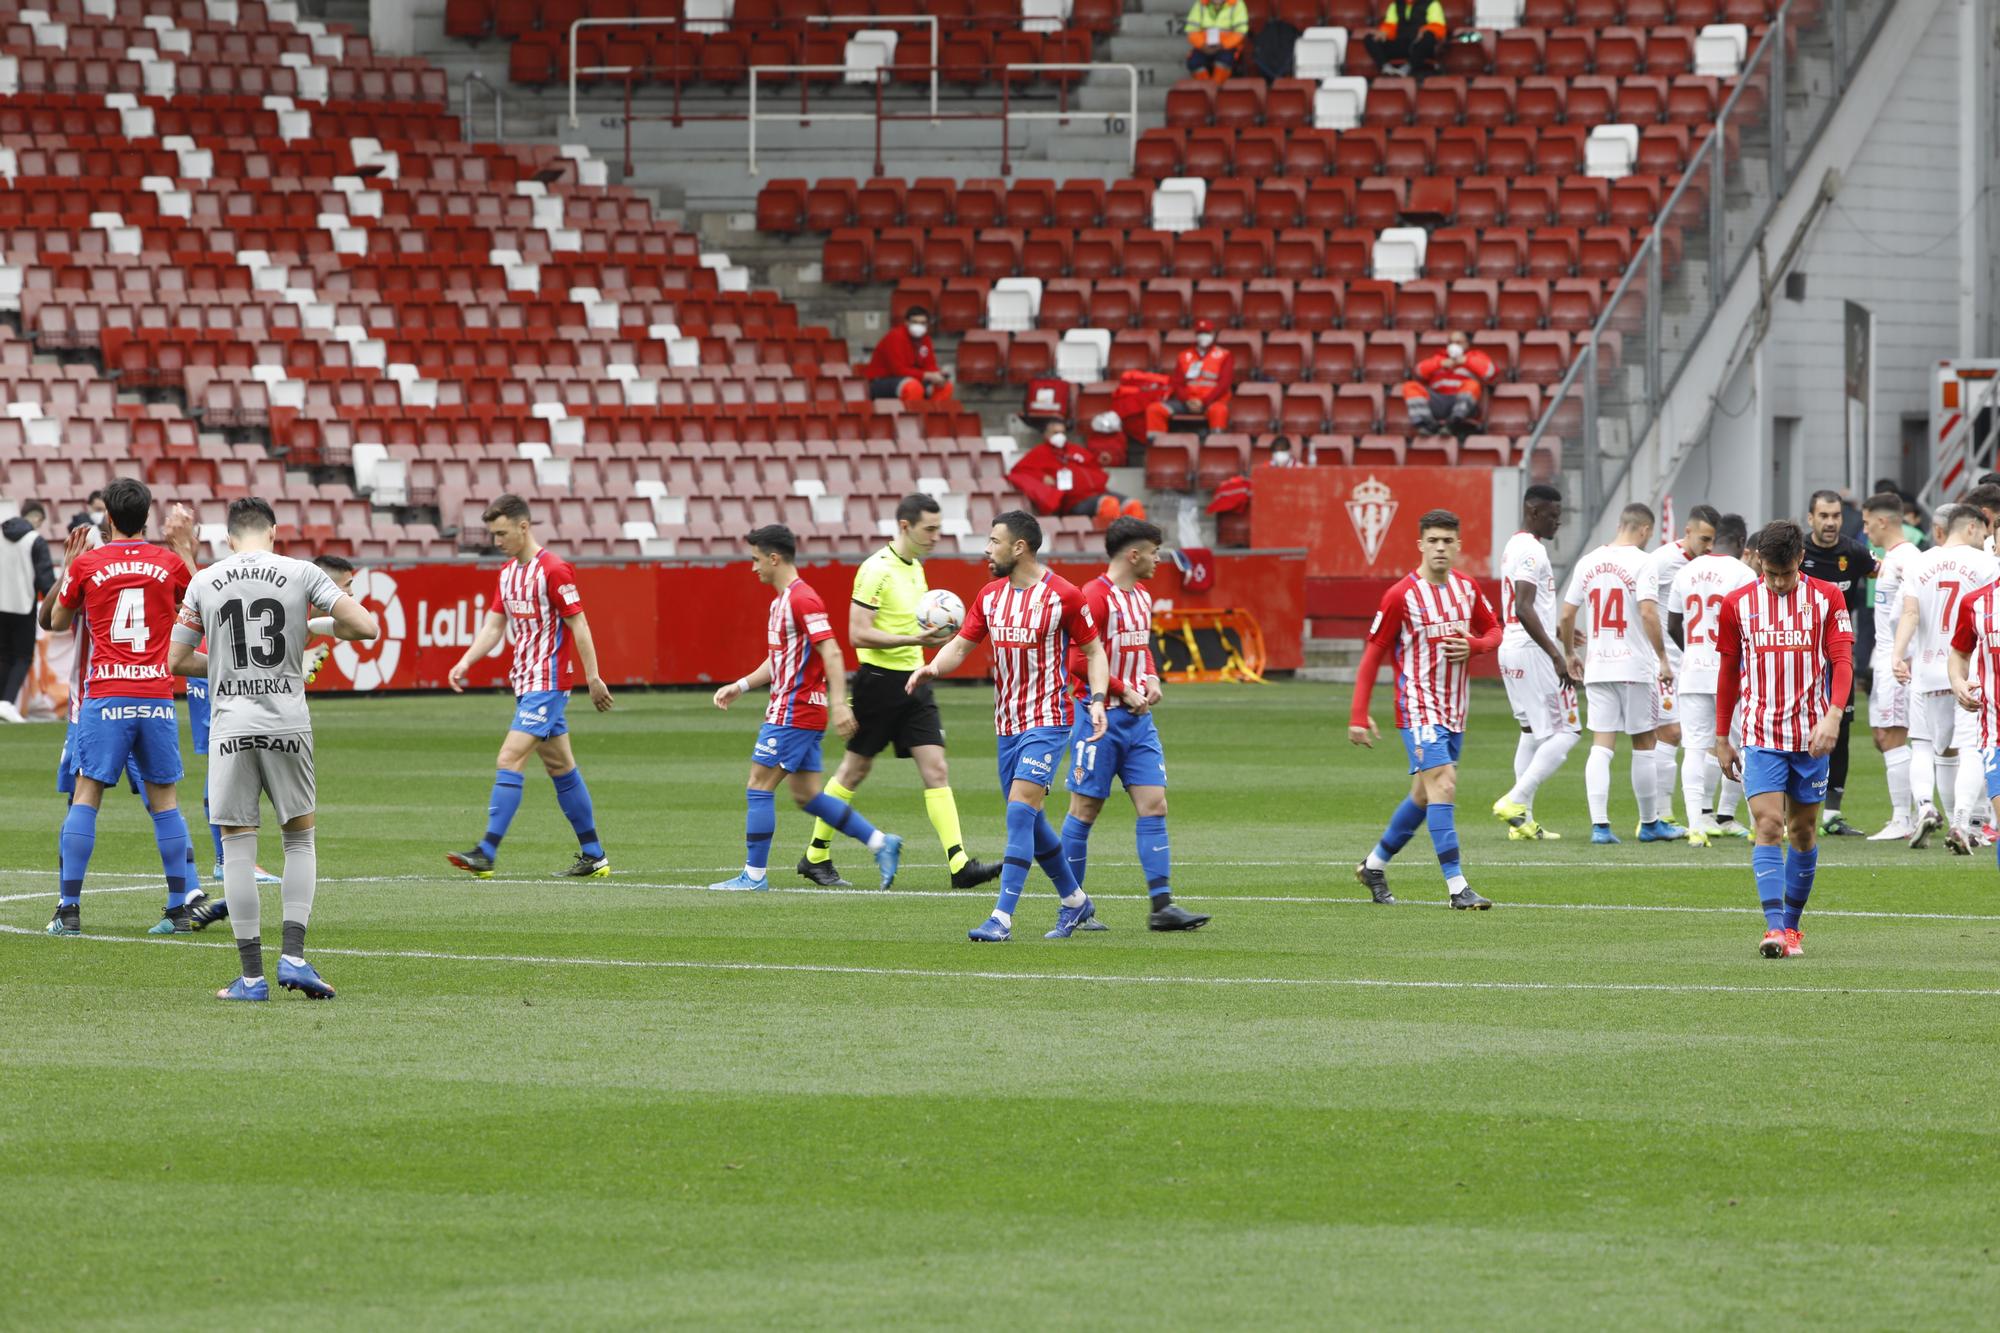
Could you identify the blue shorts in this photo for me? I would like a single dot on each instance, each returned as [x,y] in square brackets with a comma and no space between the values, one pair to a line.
[198,713]
[1431,747]
[1991,758]
[794,749]
[540,714]
[1794,772]
[116,735]
[1129,750]
[1033,755]
[66,766]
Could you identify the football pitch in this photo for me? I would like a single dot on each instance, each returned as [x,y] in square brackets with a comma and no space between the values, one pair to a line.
[634,1102]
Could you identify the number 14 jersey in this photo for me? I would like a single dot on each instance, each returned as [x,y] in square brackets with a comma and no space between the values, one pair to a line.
[1606,587]
[253,607]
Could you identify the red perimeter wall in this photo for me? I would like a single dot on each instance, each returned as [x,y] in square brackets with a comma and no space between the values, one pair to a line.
[685,623]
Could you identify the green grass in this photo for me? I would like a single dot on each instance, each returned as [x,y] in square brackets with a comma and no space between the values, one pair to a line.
[633,1103]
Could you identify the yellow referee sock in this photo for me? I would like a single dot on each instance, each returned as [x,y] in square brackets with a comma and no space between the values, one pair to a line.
[821,848]
[940,805]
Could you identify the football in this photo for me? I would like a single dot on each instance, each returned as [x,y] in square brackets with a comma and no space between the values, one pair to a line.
[940,609]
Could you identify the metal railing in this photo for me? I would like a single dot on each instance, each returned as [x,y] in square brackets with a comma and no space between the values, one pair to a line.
[499,108]
[1709,227]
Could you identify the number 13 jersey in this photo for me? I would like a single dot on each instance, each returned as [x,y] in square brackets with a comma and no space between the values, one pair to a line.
[253,607]
[1606,587]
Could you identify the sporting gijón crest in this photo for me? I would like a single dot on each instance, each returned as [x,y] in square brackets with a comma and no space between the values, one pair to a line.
[1371,508]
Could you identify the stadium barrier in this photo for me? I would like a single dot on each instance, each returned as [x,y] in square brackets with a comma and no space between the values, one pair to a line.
[1361,522]
[695,623]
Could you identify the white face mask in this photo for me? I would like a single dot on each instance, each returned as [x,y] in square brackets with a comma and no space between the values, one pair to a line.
[1456,351]
[1058,439]
[917,330]
[1204,341]
[97,516]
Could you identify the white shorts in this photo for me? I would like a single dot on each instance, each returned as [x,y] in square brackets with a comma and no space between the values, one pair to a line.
[1936,717]
[244,768]
[1665,702]
[1888,702]
[1628,706]
[1698,724]
[1542,705]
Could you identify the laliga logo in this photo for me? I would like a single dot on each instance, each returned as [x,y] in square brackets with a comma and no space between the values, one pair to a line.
[1371,508]
[376,671]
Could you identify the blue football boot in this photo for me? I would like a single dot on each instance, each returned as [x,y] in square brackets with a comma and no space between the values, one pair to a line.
[889,858]
[302,977]
[992,932]
[1069,920]
[1602,836]
[241,989]
[1662,830]
[742,883]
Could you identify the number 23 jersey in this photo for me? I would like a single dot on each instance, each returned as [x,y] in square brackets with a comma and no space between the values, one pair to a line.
[253,607]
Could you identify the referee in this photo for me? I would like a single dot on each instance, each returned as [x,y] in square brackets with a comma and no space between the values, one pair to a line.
[1844,562]
[882,622]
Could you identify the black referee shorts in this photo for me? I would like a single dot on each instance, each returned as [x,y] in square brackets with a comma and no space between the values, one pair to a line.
[887,716]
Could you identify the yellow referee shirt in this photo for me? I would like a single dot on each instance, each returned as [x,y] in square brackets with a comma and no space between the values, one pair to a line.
[891,586]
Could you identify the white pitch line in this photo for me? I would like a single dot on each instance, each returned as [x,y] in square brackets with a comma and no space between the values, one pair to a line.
[1090,978]
[1297,900]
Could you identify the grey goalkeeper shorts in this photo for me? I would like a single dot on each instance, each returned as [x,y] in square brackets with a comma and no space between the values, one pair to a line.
[242,768]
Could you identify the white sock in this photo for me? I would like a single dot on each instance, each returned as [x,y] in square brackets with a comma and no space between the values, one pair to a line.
[293,960]
[1524,755]
[1004,918]
[1076,899]
[1548,758]
[1923,772]
[1971,788]
[1645,785]
[1375,861]
[1947,782]
[877,840]
[1597,784]
[1666,776]
[1897,762]
[753,872]
[1456,884]
[1694,791]
[1728,792]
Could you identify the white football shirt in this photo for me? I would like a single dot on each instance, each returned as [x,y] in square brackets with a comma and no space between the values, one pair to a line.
[1937,581]
[1526,560]
[1696,595]
[1656,579]
[1893,573]
[1606,587]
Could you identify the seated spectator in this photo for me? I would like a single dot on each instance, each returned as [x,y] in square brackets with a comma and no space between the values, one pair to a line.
[1218,31]
[1448,395]
[905,365]
[1281,452]
[1410,40]
[1107,440]
[1063,478]
[1203,379]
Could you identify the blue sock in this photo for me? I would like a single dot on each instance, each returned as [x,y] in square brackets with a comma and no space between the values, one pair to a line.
[500,808]
[194,870]
[214,831]
[841,816]
[760,821]
[574,798]
[170,831]
[1444,836]
[79,839]
[1403,825]
[1155,860]
[1021,821]
[1768,864]
[1799,868]
[1076,846]
[1049,852]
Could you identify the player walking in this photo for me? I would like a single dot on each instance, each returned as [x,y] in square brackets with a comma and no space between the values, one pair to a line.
[126,590]
[1656,578]
[1130,749]
[1620,677]
[1694,602]
[1786,645]
[1888,697]
[252,608]
[1431,622]
[1974,668]
[808,681]
[1933,585]
[1534,667]
[882,626]
[539,600]
[1034,619]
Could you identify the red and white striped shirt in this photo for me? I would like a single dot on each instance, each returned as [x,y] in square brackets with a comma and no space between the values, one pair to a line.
[1415,617]
[1125,623]
[535,597]
[797,626]
[1032,630]
[1796,656]
[1977,634]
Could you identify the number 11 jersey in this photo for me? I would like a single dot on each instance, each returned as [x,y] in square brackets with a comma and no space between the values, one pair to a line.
[253,607]
[1606,588]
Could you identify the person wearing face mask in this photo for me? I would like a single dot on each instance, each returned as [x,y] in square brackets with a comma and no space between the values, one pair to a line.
[1217,31]
[1204,376]
[905,365]
[1447,396]
[1060,477]
[91,515]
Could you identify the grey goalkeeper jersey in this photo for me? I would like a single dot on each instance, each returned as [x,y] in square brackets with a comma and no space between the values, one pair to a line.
[253,607]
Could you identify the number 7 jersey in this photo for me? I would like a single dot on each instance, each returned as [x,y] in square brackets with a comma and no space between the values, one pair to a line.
[1938,580]
[253,607]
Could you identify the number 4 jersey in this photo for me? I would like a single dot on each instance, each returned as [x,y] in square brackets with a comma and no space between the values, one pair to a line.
[253,608]
[126,591]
